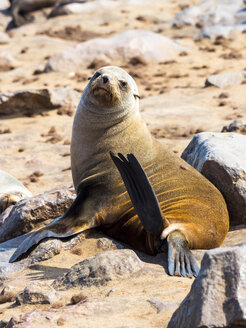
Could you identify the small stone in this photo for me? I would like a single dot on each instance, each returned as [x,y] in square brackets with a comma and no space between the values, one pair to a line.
[37,293]
[99,269]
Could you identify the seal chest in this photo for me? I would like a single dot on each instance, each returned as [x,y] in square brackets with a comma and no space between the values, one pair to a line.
[145,199]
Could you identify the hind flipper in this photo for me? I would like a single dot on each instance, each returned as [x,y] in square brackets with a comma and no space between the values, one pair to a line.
[141,192]
[181,262]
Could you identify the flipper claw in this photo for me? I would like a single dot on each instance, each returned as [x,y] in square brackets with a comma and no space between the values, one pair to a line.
[181,262]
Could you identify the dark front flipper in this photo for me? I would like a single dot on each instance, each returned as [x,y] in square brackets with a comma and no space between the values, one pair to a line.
[75,220]
[140,191]
[181,262]
[33,240]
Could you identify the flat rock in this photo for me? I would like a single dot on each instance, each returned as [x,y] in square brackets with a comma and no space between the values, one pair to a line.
[226,79]
[35,212]
[217,296]
[99,269]
[37,293]
[144,45]
[221,158]
[31,101]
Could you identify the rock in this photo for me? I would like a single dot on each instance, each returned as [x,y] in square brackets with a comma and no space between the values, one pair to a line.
[161,305]
[99,269]
[35,212]
[238,126]
[44,251]
[217,296]
[37,293]
[6,61]
[121,48]
[226,79]
[221,158]
[214,31]
[210,12]
[214,17]
[31,101]
[106,244]
[3,323]
[4,38]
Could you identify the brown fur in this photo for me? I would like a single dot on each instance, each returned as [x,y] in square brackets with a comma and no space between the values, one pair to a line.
[192,207]
[189,202]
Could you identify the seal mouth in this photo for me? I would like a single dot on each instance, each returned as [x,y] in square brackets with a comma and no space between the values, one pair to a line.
[100,91]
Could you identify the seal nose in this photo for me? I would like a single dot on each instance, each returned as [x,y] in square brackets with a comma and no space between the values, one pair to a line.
[105,78]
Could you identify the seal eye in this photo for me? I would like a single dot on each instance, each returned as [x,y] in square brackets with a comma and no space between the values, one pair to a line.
[123,84]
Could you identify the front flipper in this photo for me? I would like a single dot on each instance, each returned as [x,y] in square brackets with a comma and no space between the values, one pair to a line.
[140,191]
[74,221]
[181,262]
[34,240]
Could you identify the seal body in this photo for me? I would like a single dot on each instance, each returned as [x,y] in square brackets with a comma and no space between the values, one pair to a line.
[188,201]
[11,190]
[108,119]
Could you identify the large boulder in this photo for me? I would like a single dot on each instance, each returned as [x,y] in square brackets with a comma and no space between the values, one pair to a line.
[221,158]
[217,297]
[99,269]
[142,45]
[33,101]
[35,212]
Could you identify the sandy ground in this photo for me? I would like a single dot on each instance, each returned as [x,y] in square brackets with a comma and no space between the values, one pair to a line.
[174,103]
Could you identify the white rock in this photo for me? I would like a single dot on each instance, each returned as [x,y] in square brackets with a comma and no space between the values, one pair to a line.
[221,157]
[122,47]
[226,79]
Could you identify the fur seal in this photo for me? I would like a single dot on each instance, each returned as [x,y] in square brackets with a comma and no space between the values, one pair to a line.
[11,190]
[182,211]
